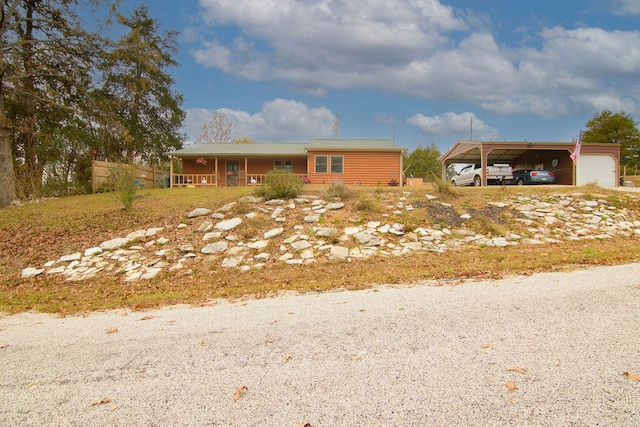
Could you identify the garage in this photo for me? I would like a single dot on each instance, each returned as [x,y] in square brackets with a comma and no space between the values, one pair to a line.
[597,162]
[598,169]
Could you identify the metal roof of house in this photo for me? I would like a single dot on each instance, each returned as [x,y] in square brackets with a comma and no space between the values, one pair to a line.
[344,144]
[286,148]
[250,148]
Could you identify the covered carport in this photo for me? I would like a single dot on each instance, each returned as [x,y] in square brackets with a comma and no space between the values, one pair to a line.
[597,162]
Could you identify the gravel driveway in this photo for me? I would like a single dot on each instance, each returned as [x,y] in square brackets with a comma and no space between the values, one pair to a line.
[437,354]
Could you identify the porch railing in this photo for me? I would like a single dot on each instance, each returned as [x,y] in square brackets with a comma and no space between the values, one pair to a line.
[203,180]
[193,179]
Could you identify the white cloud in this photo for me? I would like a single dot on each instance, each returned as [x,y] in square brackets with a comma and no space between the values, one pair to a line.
[454,125]
[626,7]
[279,120]
[426,49]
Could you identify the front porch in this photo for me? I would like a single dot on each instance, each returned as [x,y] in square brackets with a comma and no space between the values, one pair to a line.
[221,180]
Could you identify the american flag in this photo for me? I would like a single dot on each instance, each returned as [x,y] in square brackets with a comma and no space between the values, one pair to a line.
[576,149]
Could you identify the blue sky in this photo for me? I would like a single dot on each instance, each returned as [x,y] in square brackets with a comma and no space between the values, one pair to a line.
[421,70]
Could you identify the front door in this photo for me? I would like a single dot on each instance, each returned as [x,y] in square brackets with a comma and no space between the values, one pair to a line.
[233,167]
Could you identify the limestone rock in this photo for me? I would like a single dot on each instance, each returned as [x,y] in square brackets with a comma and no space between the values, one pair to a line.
[31,272]
[198,212]
[214,248]
[273,233]
[334,206]
[229,224]
[112,244]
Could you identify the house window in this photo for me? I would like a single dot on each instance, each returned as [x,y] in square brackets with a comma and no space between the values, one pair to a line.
[288,165]
[321,164]
[336,164]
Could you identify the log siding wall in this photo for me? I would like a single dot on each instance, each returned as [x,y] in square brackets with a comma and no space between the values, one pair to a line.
[358,167]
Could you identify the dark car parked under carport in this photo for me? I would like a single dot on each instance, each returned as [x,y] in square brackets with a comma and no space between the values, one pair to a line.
[530,176]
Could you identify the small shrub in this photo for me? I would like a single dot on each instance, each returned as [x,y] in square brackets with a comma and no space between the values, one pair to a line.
[365,204]
[443,187]
[337,190]
[279,184]
[122,181]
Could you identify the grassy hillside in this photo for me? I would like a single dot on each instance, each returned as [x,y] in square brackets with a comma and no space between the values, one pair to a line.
[32,234]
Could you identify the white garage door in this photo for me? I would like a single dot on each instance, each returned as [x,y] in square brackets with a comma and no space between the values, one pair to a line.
[596,168]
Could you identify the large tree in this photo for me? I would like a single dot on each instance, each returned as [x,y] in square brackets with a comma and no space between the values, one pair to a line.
[46,57]
[138,88]
[424,162]
[618,128]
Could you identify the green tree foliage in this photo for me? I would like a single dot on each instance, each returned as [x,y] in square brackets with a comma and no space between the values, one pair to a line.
[424,162]
[619,128]
[46,58]
[145,111]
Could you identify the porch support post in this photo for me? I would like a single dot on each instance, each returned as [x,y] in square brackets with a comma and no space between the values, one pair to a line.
[170,171]
[216,172]
[246,170]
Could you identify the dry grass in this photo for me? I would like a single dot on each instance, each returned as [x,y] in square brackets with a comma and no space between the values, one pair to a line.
[32,234]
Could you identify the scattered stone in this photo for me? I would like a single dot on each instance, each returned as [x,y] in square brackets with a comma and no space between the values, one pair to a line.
[229,224]
[206,226]
[137,235]
[334,206]
[198,212]
[340,252]
[31,272]
[300,245]
[112,244]
[92,251]
[250,199]
[312,218]
[162,241]
[327,232]
[76,256]
[214,248]
[273,233]
[212,235]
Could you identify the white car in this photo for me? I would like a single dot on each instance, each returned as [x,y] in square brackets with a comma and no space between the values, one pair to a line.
[472,175]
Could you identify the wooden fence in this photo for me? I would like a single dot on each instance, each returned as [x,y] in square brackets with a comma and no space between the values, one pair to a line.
[148,176]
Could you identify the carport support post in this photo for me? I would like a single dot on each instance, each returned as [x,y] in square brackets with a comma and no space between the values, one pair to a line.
[483,165]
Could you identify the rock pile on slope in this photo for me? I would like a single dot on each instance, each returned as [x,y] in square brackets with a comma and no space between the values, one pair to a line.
[295,232]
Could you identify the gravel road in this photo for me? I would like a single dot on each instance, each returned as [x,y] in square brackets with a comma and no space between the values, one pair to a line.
[437,354]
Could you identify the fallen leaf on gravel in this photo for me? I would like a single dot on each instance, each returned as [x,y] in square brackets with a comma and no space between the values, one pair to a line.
[287,356]
[148,317]
[356,358]
[517,369]
[557,363]
[28,386]
[270,341]
[4,346]
[112,330]
[302,425]
[632,376]
[485,346]
[101,402]
[511,386]
[238,394]
[201,342]
[114,406]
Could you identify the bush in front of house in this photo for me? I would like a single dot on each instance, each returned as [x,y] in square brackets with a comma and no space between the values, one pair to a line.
[279,184]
